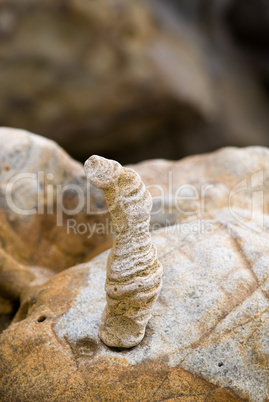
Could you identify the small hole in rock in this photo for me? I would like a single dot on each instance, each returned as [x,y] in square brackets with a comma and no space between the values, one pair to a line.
[41,318]
[220,364]
[115,289]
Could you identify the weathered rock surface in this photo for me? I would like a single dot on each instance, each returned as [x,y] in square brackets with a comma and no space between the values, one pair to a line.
[207,339]
[132,80]
[182,191]
[227,177]
[41,190]
[196,186]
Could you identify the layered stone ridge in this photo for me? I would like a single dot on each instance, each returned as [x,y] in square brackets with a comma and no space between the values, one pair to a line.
[134,274]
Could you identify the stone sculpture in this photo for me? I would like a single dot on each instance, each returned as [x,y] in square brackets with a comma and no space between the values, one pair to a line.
[134,274]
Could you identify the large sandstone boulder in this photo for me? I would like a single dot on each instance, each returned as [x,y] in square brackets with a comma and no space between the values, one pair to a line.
[207,339]
[41,176]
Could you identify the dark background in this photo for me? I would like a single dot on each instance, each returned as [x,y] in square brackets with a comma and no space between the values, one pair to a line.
[133,80]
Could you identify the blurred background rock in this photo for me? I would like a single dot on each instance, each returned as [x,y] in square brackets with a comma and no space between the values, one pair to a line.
[133,79]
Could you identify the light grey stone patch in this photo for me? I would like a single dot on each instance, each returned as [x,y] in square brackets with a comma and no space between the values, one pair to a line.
[255,248]
[211,317]
[83,318]
[236,355]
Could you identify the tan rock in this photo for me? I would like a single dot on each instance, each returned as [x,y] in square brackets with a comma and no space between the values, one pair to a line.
[196,186]
[182,191]
[41,187]
[48,214]
[207,339]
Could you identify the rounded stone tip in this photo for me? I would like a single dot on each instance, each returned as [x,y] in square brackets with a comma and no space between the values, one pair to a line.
[101,172]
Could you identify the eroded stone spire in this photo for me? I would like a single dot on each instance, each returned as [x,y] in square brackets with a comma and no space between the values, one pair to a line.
[134,274]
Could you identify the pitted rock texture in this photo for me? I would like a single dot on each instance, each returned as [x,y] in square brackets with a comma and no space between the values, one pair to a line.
[207,339]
